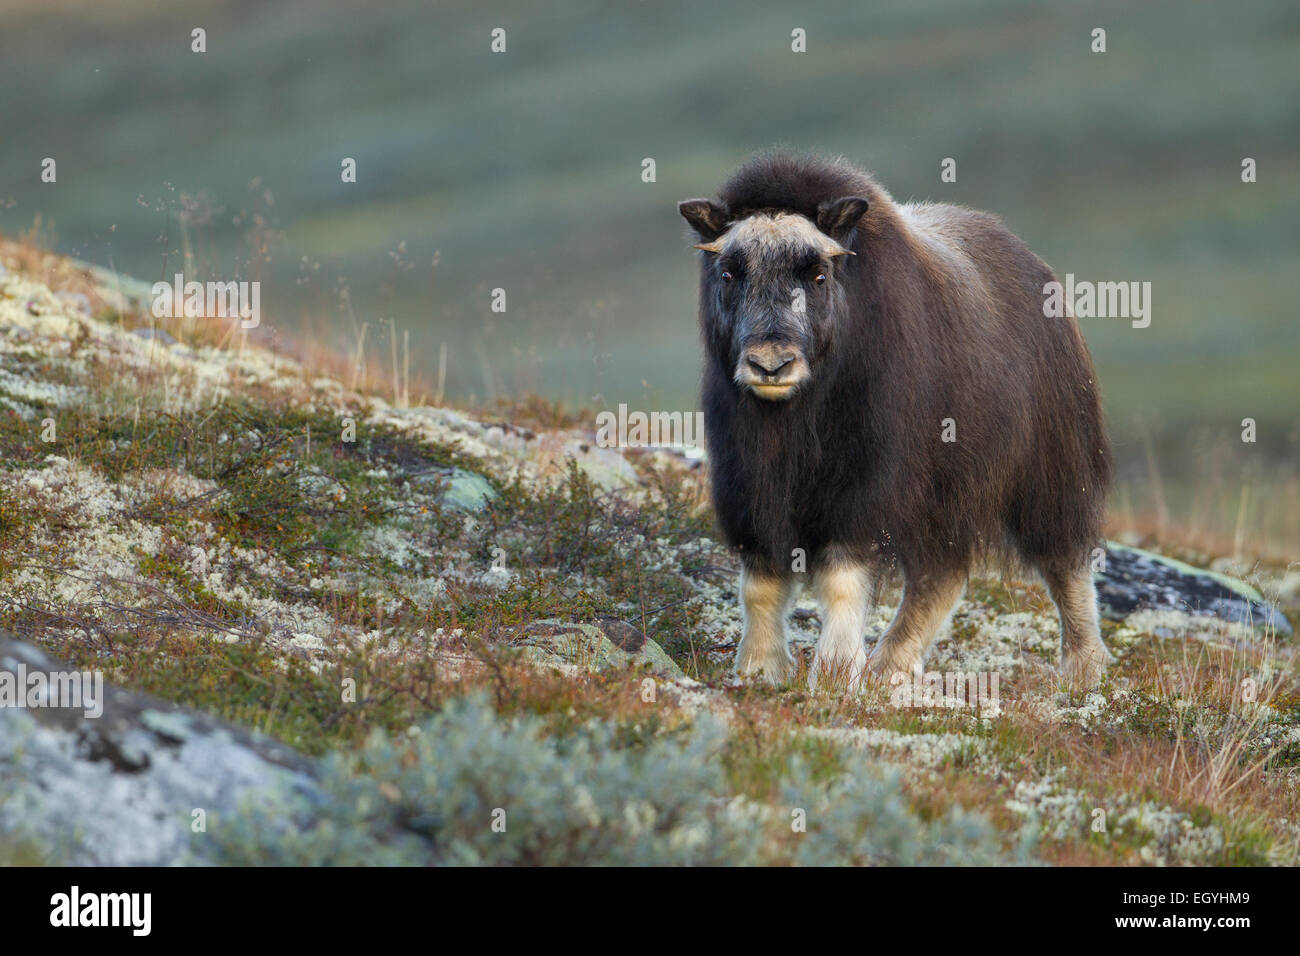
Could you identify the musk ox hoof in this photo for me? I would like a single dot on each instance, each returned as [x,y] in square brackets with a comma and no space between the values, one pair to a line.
[882,664]
[1082,668]
[774,670]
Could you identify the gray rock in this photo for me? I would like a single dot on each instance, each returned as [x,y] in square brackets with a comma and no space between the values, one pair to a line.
[606,467]
[468,491]
[446,417]
[1138,580]
[464,490]
[121,789]
[606,643]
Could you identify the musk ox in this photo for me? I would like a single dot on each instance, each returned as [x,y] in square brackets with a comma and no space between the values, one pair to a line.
[882,390]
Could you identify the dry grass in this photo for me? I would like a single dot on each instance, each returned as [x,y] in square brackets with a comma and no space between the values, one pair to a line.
[1222,504]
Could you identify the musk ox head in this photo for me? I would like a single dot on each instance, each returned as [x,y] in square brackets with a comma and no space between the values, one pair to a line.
[772,295]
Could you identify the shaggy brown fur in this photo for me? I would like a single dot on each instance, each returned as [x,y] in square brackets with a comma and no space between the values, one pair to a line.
[936,318]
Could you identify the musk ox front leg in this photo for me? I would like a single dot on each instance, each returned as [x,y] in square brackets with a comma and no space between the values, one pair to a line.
[843,593]
[928,599]
[1083,656]
[765,600]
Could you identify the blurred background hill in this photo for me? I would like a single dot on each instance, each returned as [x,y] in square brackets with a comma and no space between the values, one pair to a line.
[523,171]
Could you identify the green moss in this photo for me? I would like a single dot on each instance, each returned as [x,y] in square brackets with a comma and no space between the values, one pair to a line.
[285,479]
[1246,844]
[15,851]
[758,761]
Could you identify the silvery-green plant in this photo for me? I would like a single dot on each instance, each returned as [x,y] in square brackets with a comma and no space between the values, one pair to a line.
[473,788]
[863,818]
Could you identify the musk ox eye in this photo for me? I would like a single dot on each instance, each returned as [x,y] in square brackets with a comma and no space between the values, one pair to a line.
[727,277]
[821,278]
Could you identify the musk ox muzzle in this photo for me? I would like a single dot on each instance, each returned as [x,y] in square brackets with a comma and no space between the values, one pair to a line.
[772,370]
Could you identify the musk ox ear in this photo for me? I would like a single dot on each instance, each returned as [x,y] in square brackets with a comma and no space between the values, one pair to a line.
[838,217]
[708,219]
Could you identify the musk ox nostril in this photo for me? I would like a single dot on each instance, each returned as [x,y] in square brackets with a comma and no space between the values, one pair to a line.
[769,365]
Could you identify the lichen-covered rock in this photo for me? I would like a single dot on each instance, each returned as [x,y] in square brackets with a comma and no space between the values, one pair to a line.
[606,643]
[123,788]
[1136,580]
[464,490]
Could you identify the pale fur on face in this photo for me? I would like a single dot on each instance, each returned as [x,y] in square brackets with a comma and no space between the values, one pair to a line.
[764,237]
[767,242]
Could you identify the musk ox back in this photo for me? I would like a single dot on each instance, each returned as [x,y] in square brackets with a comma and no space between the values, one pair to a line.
[881,386]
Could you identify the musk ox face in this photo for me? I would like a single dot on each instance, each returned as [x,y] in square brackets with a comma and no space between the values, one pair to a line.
[772,292]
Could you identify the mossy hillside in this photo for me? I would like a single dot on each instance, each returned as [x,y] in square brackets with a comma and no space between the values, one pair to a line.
[204,526]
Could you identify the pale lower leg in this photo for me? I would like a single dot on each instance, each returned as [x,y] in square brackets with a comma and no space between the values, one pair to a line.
[1083,656]
[843,592]
[765,600]
[927,602]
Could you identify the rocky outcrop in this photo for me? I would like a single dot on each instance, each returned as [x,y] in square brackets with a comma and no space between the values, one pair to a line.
[139,784]
[127,779]
[606,643]
[1135,580]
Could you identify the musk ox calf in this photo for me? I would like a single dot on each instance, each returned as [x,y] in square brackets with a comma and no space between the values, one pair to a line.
[882,388]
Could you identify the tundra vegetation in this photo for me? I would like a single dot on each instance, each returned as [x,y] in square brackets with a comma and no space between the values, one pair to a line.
[460,612]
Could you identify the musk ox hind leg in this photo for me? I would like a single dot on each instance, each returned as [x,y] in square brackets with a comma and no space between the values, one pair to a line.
[843,590]
[1083,656]
[765,600]
[928,599]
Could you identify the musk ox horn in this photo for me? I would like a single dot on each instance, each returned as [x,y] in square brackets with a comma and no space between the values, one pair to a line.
[831,249]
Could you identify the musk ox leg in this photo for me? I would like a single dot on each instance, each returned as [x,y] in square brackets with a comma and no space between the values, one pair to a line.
[765,601]
[927,601]
[1083,656]
[843,592]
